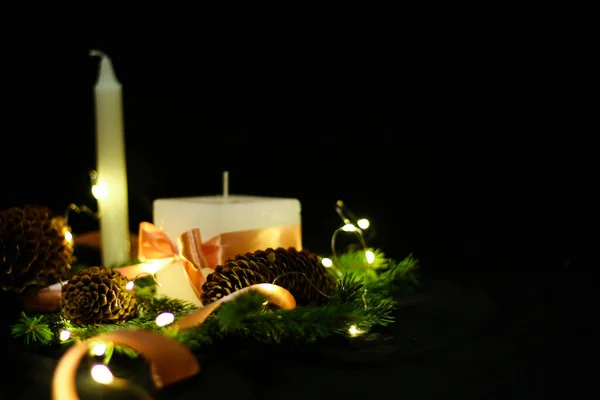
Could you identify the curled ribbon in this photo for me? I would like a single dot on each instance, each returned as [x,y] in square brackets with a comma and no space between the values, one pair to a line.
[170,360]
[274,294]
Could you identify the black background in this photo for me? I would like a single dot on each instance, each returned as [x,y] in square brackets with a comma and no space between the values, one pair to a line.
[445,131]
[459,137]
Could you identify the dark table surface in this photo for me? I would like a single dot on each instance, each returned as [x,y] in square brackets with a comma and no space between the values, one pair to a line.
[479,340]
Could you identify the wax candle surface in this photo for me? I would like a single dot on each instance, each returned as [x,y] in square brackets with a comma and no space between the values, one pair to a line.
[215,215]
[111,186]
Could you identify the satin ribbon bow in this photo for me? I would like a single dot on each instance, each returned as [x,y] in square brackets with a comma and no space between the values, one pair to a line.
[157,251]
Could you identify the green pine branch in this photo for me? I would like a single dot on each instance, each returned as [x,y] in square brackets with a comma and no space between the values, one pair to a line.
[399,278]
[358,300]
[32,330]
[355,260]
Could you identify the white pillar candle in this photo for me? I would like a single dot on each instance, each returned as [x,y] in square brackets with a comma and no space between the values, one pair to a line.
[215,215]
[111,185]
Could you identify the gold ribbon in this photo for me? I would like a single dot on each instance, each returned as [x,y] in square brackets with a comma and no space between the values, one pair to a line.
[274,294]
[156,251]
[170,361]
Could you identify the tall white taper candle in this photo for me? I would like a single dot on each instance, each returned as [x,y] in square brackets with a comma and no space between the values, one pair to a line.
[111,190]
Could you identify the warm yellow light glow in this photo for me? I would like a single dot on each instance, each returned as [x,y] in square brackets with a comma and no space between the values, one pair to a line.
[101,374]
[99,349]
[165,319]
[151,267]
[64,335]
[363,223]
[99,191]
[68,236]
[265,303]
[326,262]
[349,228]
[354,331]
[129,285]
[370,256]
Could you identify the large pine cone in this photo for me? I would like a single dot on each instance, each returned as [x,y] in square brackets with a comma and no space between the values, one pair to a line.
[33,250]
[292,269]
[98,295]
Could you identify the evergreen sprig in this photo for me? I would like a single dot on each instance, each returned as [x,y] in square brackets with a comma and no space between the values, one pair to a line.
[33,329]
[354,260]
[358,300]
[398,278]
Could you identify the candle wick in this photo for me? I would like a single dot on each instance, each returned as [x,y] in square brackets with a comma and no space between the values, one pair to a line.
[97,53]
[225,185]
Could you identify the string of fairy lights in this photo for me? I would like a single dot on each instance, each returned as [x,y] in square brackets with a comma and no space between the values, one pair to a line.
[351,225]
[101,373]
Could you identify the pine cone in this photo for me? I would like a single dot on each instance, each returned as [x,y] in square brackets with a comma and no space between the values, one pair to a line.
[292,269]
[33,250]
[98,295]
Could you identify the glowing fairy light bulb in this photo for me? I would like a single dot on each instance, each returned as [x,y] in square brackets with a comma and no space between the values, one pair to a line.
[99,349]
[363,223]
[129,285]
[100,190]
[164,319]
[68,236]
[370,256]
[326,262]
[349,228]
[101,374]
[354,331]
[64,335]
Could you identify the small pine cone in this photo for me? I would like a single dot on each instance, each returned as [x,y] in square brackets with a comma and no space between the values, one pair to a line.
[98,295]
[34,252]
[300,272]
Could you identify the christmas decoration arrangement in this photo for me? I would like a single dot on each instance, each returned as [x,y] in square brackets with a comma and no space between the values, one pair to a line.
[250,281]
[276,295]
[94,303]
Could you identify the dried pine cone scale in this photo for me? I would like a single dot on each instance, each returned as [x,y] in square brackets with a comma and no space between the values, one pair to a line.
[230,278]
[300,272]
[34,252]
[98,295]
